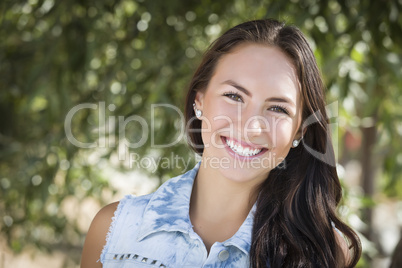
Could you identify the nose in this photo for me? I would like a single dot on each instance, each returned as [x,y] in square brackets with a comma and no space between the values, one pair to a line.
[256,126]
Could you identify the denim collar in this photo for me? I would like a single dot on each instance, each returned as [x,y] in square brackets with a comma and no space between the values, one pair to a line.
[168,211]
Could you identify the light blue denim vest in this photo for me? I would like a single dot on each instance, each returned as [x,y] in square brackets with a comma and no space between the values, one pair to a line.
[155,231]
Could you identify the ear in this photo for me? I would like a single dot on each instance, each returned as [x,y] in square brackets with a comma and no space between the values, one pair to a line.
[199,100]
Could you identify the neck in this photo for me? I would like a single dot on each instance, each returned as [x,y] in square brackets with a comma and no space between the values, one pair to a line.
[219,198]
[219,205]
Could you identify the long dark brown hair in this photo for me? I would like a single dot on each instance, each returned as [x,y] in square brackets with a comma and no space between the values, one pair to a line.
[296,205]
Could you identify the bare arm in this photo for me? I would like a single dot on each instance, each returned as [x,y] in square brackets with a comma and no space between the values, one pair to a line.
[96,237]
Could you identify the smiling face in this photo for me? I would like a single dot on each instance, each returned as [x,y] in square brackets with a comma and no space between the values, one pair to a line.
[251,112]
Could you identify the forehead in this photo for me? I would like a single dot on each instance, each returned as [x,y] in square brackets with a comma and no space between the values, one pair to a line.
[259,67]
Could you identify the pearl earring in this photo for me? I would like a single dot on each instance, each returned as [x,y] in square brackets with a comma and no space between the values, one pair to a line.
[295,143]
[198,113]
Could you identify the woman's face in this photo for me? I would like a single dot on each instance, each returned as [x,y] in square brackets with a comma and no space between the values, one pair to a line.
[251,112]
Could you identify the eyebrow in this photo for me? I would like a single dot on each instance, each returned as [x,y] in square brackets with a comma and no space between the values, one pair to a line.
[237,86]
[248,93]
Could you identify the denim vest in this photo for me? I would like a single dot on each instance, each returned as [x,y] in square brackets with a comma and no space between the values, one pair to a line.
[155,231]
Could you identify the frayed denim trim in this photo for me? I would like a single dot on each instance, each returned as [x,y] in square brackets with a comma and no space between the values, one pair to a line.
[112,227]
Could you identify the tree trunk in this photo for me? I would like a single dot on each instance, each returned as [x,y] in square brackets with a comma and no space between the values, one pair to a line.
[396,261]
[368,173]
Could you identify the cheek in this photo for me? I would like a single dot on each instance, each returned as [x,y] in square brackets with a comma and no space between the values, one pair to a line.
[215,118]
[282,132]
[219,114]
[218,106]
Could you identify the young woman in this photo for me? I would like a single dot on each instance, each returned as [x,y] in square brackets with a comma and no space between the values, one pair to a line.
[266,190]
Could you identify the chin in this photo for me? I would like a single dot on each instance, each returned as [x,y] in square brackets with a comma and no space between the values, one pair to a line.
[244,171]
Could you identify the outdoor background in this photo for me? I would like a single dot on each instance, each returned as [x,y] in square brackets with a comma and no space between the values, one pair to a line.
[123,56]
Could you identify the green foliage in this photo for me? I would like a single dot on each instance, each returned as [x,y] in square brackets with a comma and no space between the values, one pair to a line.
[123,56]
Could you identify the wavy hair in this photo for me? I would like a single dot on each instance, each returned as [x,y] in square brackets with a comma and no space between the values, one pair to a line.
[296,206]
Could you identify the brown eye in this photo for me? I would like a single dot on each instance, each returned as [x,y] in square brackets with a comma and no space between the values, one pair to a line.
[234,96]
[279,109]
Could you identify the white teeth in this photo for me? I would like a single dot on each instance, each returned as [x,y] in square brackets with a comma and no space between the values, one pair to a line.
[240,150]
[246,151]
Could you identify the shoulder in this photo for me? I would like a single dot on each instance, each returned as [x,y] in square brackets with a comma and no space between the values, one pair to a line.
[106,213]
[103,219]
[96,236]
[342,245]
[101,226]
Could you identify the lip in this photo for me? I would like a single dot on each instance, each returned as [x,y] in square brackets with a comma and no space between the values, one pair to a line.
[241,157]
